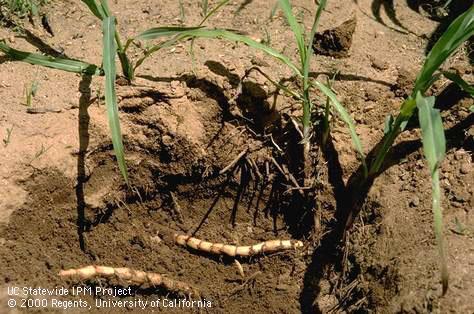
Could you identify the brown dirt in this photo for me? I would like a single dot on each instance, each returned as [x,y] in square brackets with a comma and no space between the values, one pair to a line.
[63,203]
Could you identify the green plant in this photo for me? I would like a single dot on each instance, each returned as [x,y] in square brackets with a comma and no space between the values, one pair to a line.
[20,8]
[102,12]
[182,13]
[204,6]
[434,147]
[43,150]
[304,44]
[457,33]
[8,137]
[30,92]
[108,55]
[431,125]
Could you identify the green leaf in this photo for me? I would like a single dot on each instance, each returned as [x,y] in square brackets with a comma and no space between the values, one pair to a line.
[388,124]
[295,27]
[456,78]
[105,8]
[204,6]
[34,9]
[345,116]
[109,51]
[434,143]
[165,31]
[434,147]
[63,64]
[95,8]
[309,48]
[228,35]
[458,31]
[220,34]
[305,62]
[214,10]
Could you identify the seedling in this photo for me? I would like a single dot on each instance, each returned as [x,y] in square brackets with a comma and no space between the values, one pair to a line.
[182,13]
[305,50]
[30,92]
[434,147]
[7,138]
[20,8]
[40,153]
[204,6]
[460,30]
[457,33]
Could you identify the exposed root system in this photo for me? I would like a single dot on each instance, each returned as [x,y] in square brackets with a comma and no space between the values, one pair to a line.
[269,246]
[131,276]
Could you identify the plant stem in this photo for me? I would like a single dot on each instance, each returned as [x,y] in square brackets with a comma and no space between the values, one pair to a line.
[438,227]
[127,69]
[326,123]
[386,145]
[406,111]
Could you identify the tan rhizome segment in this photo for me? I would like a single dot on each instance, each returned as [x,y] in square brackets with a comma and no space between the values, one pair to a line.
[234,250]
[131,276]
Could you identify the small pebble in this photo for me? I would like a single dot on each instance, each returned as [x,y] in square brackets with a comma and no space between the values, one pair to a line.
[167,140]
[174,84]
[415,202]
[458,154]
[378,64]
[465,168]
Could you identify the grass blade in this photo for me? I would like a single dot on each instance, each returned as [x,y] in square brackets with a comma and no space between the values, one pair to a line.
[214,10]
[109,51]
[165,31]
[204,6]
[216,34]
[346,118]
[63,64]
[306,58]
[461,29]
[309,48]
[228,35]
[295,27]
[95,8]
[434,147]
[273,11]
[105,8]
[468,88]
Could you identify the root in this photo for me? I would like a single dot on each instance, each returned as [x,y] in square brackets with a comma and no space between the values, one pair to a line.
[131,276]
[289,177]
[234,162]
[249,280]
[233,250]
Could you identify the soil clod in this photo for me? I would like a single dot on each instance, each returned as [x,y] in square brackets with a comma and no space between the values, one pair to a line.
[336,42]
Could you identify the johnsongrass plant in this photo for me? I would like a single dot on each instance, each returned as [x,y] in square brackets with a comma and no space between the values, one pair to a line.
[301,69]
[434,143]
[460,30]
[434,147]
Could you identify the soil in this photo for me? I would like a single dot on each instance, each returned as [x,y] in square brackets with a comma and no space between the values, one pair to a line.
[63,203]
